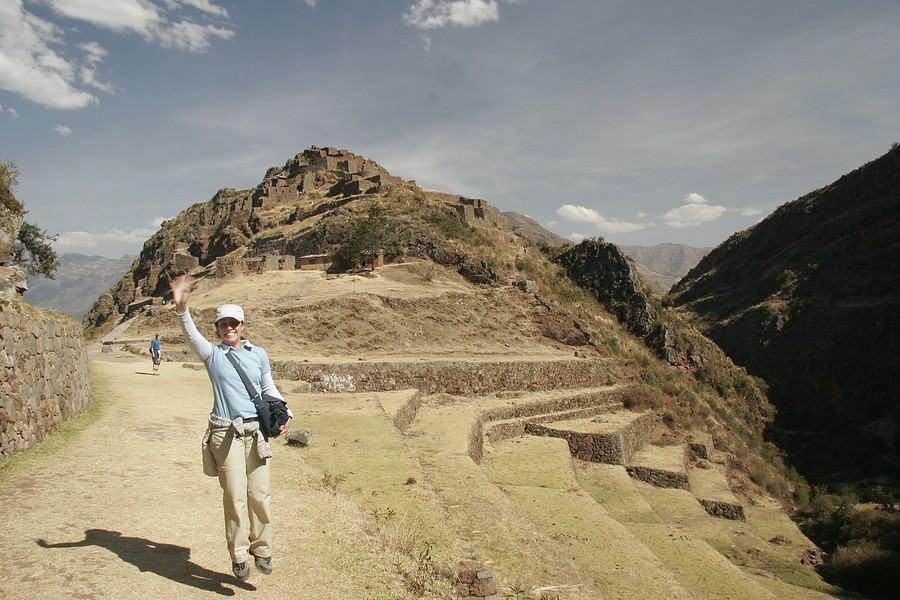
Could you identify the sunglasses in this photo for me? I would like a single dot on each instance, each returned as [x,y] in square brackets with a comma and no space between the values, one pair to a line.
[229,323]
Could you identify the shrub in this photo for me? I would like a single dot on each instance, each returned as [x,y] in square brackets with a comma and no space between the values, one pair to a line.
[449,225]
[866,568]
[641,397]
[369,235]
[653,378]
[668,420]
[801,488]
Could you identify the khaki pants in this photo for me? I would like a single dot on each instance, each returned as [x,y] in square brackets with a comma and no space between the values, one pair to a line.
[244,478]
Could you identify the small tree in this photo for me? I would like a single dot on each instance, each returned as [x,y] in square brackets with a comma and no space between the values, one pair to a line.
[367,237]
[31,250]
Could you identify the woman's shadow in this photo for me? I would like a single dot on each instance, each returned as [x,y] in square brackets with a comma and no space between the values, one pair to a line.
[166,560]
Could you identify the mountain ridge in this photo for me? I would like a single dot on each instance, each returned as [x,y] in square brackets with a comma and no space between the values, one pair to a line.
[78,281]
[807,299]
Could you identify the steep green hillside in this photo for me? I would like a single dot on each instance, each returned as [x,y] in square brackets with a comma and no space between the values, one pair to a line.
[808,300]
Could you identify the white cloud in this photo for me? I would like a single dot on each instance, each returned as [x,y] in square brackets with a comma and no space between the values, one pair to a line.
[210,8]
[694,198]
[62,130]
[74,240]
[750,212]
[431,14]
[148,20]
[186,35]
[95,53]
[13,112]
[117,15]
[577,237]
[695,212]
[582,214]
[33,59]
[578,213]
[30,67]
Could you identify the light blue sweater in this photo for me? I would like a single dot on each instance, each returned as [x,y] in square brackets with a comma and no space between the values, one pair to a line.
[230,397]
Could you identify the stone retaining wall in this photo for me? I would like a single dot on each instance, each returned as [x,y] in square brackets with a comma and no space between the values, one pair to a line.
[610,448]
[43,374]
[660,477]
[595,447]
[518,419]
[404,417]
[724,510]
[448,377]
[546,407]
[637,434]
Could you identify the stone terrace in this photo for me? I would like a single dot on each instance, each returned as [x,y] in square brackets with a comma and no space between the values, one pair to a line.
[573,399]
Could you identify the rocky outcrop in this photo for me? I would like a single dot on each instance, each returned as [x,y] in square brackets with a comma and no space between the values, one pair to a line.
[12,279]
[611,277]
[604,269]
[13,283]
[11,216]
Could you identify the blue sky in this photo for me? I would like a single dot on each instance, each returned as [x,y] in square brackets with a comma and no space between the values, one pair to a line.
[643,122]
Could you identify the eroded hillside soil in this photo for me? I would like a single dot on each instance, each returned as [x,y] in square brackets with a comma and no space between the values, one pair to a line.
[409,311]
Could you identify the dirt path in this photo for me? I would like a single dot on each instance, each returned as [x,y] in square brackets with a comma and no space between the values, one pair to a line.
[122,509]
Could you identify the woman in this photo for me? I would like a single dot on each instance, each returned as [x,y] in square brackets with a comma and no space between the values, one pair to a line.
[239,450]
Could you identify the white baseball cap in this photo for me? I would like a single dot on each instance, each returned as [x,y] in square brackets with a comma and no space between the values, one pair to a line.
[232,311]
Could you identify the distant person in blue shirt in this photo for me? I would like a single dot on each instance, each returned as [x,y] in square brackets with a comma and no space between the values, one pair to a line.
[155,354]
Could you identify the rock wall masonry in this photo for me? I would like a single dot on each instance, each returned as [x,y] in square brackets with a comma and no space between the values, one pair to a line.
[43,374]
[448,377]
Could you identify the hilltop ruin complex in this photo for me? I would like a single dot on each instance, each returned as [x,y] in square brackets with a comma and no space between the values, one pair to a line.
[270,227]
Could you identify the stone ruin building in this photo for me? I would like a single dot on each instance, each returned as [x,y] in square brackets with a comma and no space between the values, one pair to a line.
[478,213]
[337,172]
[226,265]
[211,234]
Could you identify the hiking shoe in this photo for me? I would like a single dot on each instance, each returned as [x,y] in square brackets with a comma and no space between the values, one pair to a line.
[264,564]
[241,570]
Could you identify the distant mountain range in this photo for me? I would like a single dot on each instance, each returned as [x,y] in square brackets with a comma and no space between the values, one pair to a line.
[78,282]
[662,266]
